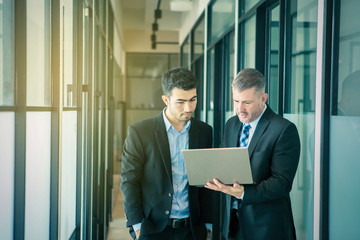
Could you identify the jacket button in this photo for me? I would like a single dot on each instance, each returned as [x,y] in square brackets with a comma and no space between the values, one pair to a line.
[167,212]
[169,194]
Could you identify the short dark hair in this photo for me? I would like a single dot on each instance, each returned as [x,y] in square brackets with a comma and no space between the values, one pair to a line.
[177,78]
[248,78]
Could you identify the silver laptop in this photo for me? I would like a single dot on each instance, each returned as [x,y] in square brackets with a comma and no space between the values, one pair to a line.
[229,165]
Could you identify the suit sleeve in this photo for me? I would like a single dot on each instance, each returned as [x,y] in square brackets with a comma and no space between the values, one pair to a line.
[131,174]
[283,165]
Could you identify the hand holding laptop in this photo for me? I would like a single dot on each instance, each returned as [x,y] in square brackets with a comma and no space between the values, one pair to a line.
[235,190]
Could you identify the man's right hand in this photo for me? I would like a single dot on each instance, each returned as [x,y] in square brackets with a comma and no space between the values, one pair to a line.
[137,233]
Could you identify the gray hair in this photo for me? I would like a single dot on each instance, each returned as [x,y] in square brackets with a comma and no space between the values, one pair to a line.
[249,78]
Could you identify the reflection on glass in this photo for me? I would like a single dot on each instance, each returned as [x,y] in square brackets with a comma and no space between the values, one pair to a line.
[229,103]
[145,93]
[144,71]
[6,53]
[345,129]
[174,61]
[198,71]
[222,17]
[185,53]
[38,88]
[210,88]
[68,174]
[199,38]
[146,65]
[248,4]
[69,82]
[249,43]
[86,60]
[299,108]
[7,146]
[38,153]
[273,59]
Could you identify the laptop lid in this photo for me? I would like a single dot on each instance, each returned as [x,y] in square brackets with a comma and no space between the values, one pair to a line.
[229,165]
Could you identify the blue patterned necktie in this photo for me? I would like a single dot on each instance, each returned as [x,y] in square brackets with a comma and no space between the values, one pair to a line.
[244,137]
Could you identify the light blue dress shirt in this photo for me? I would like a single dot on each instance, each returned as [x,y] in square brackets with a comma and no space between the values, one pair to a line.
[178,141]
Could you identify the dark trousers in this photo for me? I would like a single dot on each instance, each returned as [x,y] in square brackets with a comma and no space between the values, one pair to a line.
[234,227]
[169,233]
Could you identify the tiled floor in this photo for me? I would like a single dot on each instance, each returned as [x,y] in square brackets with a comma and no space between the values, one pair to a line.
[117,227]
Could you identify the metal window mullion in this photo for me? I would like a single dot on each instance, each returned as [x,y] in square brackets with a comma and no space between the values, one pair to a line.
[20,119]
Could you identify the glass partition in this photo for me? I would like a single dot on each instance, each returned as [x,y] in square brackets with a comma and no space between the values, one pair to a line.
[68,174]
[222,17]
[68,50]
[344,214]
[199,38]
[229,103]
[185,53]
[248,58]
[38,87]
[210,88]
[37,196]
[7,53]
[248,4]
[144,71]
[7,147]
[300,106]
[273,59]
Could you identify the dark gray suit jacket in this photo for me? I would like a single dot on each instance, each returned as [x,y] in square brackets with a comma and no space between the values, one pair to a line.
[265,211]
[146,178]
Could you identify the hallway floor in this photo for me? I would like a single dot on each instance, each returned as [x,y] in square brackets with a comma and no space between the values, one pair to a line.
[117,228]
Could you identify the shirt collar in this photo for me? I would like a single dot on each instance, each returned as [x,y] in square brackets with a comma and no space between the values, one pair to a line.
[168,125]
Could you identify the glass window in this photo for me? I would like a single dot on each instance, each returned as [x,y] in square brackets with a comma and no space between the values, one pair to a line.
[198,71]
[6,53]
[185,53]
[146,65]
[299,106]
[345,127]
[37,196]
[229,103]
[68,174]
[249,43]
[248,4]
[7,146]
[199,37]
[210,88]
[144,71]
[145,93]
[69,81]
[174,60]
[273,59]
[222,17]
[38,87]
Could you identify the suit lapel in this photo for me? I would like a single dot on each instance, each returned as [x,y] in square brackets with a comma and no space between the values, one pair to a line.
[235,135]
[163,144]
[193,136]
[260,129]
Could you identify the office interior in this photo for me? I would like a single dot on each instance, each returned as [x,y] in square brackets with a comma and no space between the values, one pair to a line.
[75,73]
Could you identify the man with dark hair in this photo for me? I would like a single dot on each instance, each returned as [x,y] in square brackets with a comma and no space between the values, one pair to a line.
[261,210]
[158,201]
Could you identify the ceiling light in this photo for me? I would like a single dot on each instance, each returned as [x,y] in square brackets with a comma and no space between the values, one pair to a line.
[157,14]
[153,37]
[180,5]
[155,27]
